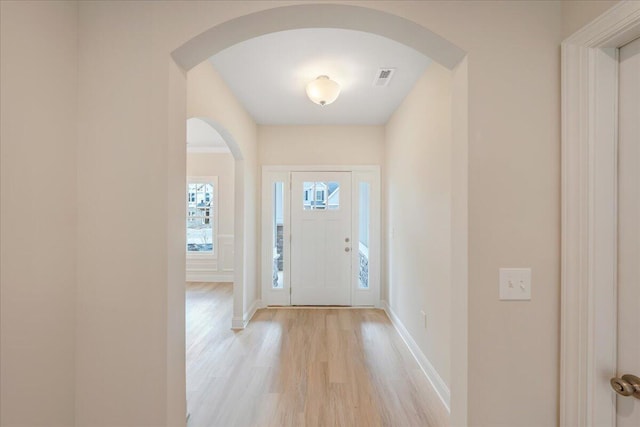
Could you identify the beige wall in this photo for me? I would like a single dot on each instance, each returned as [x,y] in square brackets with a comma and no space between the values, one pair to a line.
[123,258]
[175,390]
[321,145]
[38,93]
[577,13]
[514,158]
[220,165]
[418,215]
[108,152]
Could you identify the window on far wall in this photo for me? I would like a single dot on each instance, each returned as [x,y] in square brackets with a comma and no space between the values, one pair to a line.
[201,214]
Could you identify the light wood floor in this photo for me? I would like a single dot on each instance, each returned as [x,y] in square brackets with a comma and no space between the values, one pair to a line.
[300,367]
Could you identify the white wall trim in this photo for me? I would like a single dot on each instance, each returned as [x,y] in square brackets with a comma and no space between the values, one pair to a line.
[209,276]
[241,323]
[203,267]
[589,180]
[237,323]
[427,368]
[248,315]
[226,244]
[202,256]
[321,168]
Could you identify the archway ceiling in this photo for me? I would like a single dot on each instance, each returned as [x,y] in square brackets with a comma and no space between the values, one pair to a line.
[202,137]
[268,75]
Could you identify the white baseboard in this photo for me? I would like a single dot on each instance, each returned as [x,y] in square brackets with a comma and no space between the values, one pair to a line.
[237,323]
[241,323]
[248,315]
[209,276]
[429,371]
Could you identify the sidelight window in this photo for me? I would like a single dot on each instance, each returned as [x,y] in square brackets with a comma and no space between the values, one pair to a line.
[364,225]
[277,235]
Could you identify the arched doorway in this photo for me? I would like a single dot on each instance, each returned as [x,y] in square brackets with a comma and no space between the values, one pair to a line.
[238,174]
[404,31]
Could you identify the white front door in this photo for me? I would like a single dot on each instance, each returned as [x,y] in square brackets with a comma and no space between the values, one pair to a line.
[321,240]
[628,408]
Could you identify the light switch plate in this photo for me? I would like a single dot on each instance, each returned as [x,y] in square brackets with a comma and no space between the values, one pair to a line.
[515,284]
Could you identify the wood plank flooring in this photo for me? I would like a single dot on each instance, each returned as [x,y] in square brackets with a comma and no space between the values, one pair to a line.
[300,367]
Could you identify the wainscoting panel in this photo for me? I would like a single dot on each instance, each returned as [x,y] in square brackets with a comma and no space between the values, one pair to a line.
[217,268]
[226,252]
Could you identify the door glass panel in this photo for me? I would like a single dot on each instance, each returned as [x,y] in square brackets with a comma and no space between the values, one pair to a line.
[363,234]
[278,235]
[320,195]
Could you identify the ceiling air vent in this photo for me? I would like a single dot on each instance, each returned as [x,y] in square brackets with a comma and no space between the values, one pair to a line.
[383,76]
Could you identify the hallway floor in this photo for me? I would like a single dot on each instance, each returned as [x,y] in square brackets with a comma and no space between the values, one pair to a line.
[300,367]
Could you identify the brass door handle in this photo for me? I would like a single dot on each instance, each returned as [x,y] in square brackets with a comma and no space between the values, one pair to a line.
[628,385]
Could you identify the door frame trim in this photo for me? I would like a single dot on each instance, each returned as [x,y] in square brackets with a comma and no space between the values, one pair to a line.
[368,173]
[589,225]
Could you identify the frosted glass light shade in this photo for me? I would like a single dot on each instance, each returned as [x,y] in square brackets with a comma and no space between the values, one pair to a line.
[323,90]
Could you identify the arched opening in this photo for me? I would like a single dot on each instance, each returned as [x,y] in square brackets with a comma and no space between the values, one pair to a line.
[211,156]
[404,31]
[224,134]
[220,133]
[284,18]
[212,153]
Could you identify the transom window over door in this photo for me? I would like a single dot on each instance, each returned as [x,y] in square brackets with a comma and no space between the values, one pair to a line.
[201,215]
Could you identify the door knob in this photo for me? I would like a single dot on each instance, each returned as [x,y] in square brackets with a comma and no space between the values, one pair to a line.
[347,249]
[628,385]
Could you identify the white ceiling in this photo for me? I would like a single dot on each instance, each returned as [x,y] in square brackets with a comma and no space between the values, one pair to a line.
[203,138]
[268,75]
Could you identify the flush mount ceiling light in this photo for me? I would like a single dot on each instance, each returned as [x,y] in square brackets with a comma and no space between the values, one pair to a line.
[323,90]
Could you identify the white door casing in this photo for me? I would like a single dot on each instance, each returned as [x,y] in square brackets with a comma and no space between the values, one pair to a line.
[321,239]
[360,174]
[589,216]
[628,408]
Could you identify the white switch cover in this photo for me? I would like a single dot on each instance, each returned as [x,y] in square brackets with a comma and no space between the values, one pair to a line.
[515,283]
